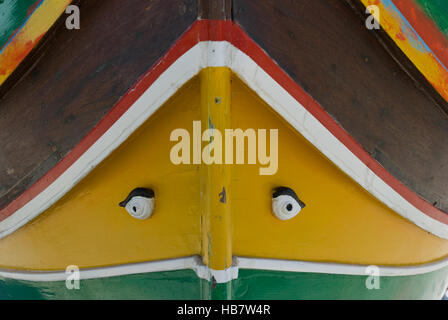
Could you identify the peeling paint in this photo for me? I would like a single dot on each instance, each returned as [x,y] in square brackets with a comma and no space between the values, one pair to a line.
[222,195]
[412,44]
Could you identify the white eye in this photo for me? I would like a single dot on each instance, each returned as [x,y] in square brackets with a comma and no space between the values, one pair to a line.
[139,203]
[285,203]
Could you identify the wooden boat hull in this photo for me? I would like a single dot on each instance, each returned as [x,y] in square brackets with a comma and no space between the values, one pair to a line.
[88,214]
[371,223]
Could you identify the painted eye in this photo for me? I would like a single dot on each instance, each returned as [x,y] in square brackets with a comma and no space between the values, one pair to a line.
[285,203]
[139,203]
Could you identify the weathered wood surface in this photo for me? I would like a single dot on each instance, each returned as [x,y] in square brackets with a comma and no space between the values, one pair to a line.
[359,76]
[76,78]
[383,102]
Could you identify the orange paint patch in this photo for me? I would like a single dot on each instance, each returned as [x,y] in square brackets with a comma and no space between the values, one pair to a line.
[15,55]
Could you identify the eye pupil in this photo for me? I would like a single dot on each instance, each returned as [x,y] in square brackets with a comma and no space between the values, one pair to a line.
[134,208]
[289,207]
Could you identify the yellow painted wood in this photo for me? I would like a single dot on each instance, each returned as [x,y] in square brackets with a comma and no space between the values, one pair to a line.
[215,182]
[340,223]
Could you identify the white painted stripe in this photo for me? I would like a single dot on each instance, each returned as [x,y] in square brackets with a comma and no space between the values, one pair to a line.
[336,268]
[222,276]
[222,53]
[194,263]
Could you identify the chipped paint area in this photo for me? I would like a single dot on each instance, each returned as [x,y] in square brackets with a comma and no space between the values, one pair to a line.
[437,10]
[25,39]
[407,32]
[410,42]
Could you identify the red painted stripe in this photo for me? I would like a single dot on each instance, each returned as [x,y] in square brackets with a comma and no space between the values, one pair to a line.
[425,28]
[209,30]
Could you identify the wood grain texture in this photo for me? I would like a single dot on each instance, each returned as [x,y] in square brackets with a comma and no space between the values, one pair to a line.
[14,14]
[362,80]
[75,77]
[215,9]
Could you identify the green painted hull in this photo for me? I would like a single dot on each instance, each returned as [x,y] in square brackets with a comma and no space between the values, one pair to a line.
[251,284]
